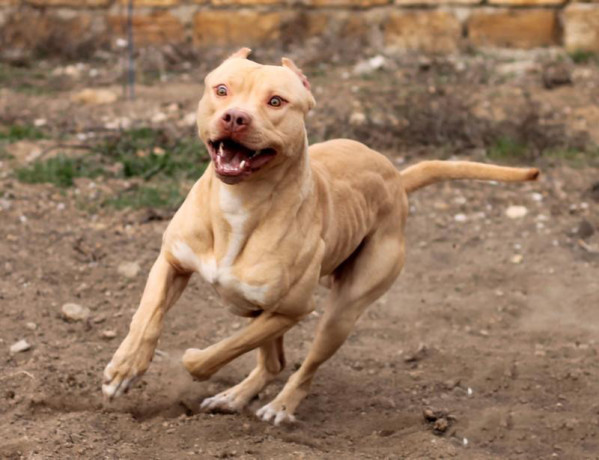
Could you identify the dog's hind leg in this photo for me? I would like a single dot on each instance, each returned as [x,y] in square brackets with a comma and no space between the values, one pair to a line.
[271,361]
[360,281]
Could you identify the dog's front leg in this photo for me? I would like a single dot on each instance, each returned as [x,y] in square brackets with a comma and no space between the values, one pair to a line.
[266,327]
[131,360]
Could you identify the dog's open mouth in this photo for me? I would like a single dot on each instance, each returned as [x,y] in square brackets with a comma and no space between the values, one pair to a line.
[232,159]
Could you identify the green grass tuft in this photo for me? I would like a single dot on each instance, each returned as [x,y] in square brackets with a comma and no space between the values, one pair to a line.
[163,161]
[583,57]
[166,195]
[16,133]
[146,153]
[506,148]
[59,171]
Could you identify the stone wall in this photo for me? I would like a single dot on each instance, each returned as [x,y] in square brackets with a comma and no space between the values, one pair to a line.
[403,25]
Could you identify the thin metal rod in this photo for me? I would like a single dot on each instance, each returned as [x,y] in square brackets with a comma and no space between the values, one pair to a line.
[131,50]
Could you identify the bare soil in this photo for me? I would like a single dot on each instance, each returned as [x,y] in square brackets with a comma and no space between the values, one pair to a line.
[494,320]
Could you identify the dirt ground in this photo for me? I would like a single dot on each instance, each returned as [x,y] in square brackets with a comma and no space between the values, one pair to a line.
[494,320]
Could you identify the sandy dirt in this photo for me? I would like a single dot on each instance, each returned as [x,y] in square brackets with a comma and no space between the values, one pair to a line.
[493,321]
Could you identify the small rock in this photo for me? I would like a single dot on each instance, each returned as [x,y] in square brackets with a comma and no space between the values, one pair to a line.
[108,334]
[460,217]
[20,346]
[190,119]
[517,68]
[31,326]
[174,107]
[585,229]
[556,75]
[517,259]
[420,354]
[94,96]
[430,414]
[129,269]
[357,119]
[159,117]
[75,312]
[538,197]
[440,426]
[39,122]
[369,65]
[516,212]
[118,123]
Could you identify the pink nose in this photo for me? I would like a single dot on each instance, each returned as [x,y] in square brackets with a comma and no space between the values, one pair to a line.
[234,120]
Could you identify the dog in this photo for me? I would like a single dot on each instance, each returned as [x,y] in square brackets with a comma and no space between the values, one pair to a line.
[269,219]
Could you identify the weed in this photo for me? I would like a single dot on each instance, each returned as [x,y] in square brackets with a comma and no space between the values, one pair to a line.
[20,132]
[59,171]
[507,148]
[583,57]
[161,159]
[25,80]
[158,196]
[145,153]
[574,157]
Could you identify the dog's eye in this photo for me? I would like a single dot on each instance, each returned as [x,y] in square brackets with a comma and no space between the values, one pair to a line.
[275,101]
[221,90]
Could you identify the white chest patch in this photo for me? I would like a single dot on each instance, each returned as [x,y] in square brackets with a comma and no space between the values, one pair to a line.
[220,273]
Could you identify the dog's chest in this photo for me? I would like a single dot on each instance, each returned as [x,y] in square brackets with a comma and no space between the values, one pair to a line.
[223,271]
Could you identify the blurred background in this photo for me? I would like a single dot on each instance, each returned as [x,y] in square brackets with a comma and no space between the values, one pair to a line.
[486,346]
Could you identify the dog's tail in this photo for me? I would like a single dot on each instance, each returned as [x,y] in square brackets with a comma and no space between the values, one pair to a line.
[429,172]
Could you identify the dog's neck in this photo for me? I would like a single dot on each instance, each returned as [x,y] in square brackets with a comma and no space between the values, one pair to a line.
[288,182]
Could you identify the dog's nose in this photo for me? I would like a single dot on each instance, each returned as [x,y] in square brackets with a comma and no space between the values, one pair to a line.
[235,120]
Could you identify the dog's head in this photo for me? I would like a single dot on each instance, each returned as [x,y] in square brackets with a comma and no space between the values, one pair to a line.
[251,116]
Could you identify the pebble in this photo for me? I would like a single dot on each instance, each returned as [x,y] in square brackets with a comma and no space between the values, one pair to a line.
[357,119]
[108,334]
[31,326]
[516,212]
[538,197]
[517,259]
[190,119]
[159,117]
[585,229]
[75,312]
[95,96]
[369,65]
[128,269]
[20,346]
[460,218]
[440,426]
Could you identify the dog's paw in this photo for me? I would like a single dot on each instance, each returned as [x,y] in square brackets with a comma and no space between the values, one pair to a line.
[116,383]
[222,402]
[276,415]
[125,368]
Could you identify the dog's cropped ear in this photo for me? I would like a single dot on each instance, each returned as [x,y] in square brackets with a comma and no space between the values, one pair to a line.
[286,62]
[241,53]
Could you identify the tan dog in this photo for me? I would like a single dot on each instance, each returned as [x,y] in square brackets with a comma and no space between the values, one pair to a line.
[267,221]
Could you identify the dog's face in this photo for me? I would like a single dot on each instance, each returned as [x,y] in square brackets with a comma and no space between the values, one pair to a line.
[251,116]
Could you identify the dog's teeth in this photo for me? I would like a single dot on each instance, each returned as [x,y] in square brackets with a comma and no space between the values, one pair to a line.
[221,152]
[242,165]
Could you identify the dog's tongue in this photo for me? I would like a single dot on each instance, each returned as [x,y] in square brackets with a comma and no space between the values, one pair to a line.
[232,158]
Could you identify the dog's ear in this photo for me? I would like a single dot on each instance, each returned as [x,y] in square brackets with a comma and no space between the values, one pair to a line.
[291,66]
[286,62]
[241,53]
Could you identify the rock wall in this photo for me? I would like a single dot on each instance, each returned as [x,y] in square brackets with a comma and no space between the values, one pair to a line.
[404,25]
